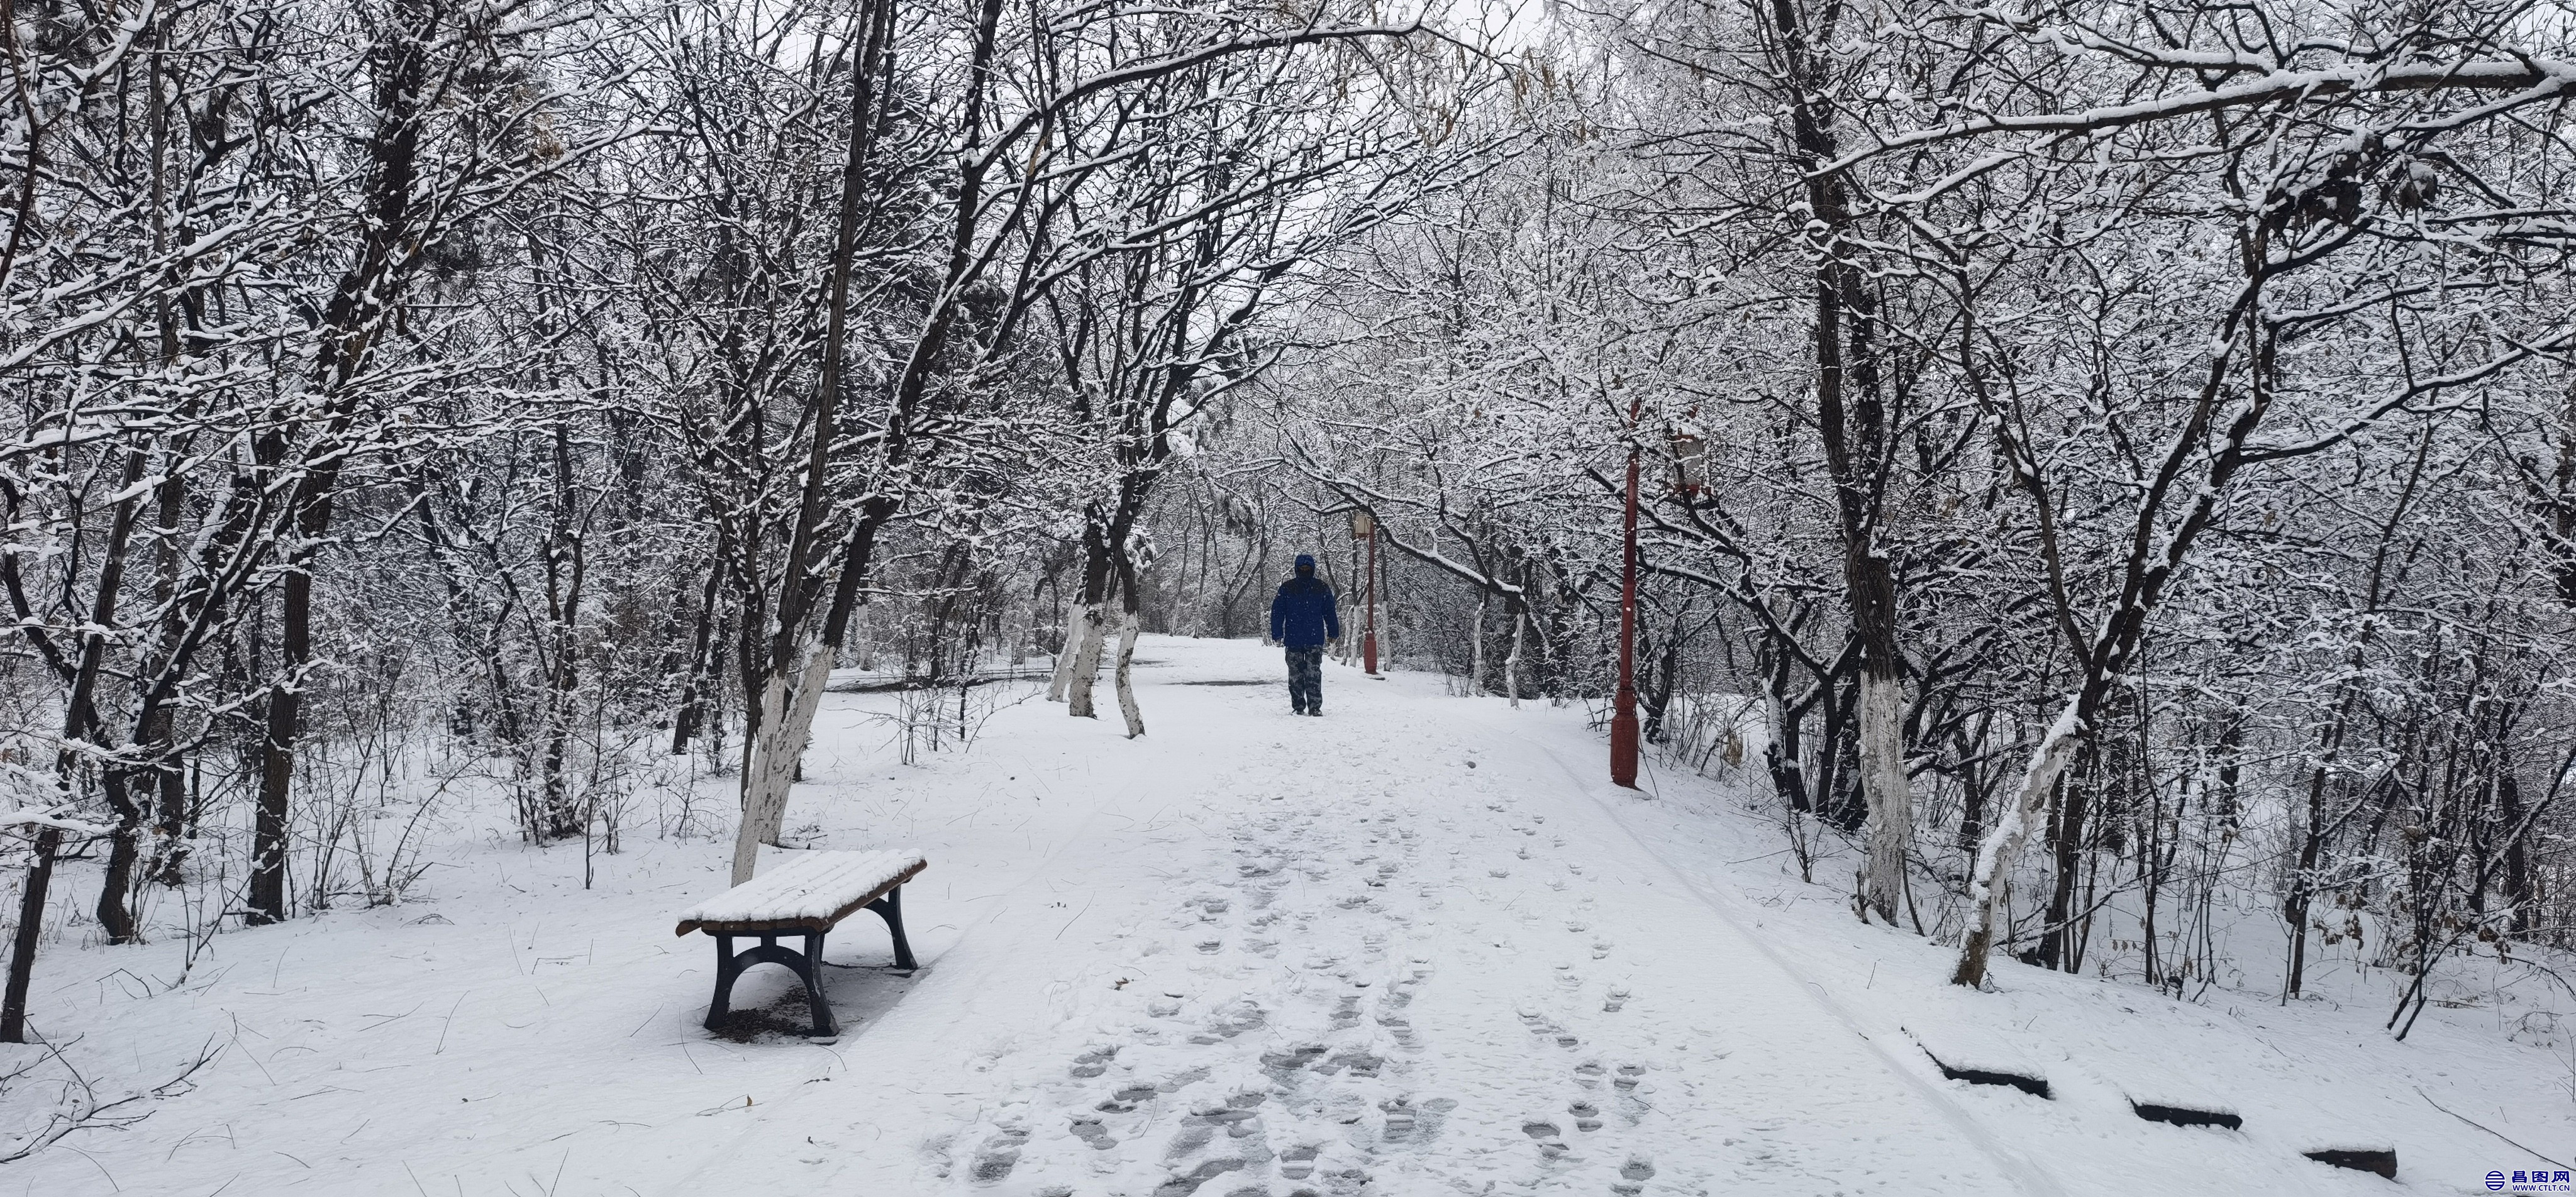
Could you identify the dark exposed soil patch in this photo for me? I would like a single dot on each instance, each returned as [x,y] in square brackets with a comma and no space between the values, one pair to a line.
[2035,1086]
[2186,1116]
[2359,1159]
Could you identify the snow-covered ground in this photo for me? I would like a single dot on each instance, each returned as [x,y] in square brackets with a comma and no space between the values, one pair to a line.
[1418,946]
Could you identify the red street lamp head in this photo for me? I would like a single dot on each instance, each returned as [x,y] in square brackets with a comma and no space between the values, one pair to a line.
[1363,525]
[1690,464]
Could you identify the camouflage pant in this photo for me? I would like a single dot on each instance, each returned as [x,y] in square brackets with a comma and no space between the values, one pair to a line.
[1306,677]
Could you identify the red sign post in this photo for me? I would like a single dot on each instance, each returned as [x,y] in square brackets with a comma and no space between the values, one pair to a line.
[1623,713]
[1364,527]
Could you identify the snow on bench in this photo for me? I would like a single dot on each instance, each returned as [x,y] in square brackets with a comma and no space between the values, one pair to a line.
[815,889]
[806,897]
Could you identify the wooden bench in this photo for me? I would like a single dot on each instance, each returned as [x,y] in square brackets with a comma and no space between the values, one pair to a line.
[807,896]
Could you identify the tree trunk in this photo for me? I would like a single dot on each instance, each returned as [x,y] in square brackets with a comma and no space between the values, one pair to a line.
[123,849]
[1883,783]
[1086,661]
[2517,866]
[2302,880]
[1990,883]
[1512,663]
[1126,687]
[770,756]
[31,925]
[267,897]
[1130,601]
[1059,687]
[692,707]
[2074,811]
[1476,646]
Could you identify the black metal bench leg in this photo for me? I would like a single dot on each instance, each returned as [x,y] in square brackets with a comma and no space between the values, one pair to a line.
[807,965]
[890,908]
[812,971]
[726,970]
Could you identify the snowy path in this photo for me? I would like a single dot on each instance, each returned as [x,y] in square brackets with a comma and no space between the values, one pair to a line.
[1417,947]
[1379,952]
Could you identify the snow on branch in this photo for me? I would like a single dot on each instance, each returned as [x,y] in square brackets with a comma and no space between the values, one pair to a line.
[2534,79]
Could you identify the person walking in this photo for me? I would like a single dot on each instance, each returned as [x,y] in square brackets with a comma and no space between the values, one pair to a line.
[1302,619]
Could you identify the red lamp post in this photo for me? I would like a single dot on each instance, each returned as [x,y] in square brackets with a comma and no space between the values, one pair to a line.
[1690,481]
[1623,711]
[1364,527]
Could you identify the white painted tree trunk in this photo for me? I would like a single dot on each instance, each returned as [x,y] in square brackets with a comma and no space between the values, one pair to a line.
[1883,786]
[787,706]
[1063,678]
[1126,685]
[1990,882]
[1086,664]
[1512,663]
[1476,652]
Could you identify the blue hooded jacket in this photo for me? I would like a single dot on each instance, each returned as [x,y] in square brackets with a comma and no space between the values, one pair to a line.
[1302,615]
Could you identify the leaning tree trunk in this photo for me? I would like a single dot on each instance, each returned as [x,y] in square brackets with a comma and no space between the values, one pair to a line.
[1126,685]
[788,702]
[799,658]
[31,925]
[1990,883]
[1059,686]
[1130,598]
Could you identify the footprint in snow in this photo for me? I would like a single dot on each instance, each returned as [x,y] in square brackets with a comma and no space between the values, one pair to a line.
[993,1164]
[1632,1108]
[1357,1063]
[1546,1028]
[1551,1140]
[1188,1182]
[1096,1061]
[1088,1129]
[1127,1099]
[1416,1125]
[1234,1116]
[1632,1176]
